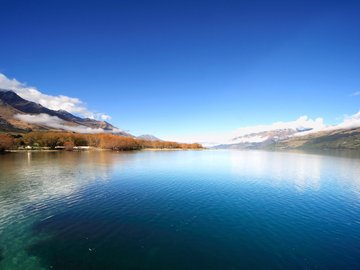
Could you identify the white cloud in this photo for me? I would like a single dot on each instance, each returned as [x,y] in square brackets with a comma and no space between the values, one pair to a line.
[349,122]
[69,104]
[302,122]
[211,139]
[55,122]
[105,117]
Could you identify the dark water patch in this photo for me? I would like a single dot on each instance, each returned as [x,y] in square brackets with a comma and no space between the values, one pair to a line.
[1,255]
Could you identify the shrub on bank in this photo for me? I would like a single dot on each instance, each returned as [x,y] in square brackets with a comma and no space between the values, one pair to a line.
[6,142]
[68,141]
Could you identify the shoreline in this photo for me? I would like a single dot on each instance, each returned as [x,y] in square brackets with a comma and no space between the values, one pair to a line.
[96,150]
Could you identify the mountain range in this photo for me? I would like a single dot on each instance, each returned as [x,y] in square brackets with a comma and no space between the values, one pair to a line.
[348,138]
[342,138]
[148,137]
[20,115]
[258,140]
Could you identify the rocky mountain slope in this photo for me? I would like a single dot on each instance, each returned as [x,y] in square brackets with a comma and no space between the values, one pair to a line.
[334,139]
[259,140]
[14,111]
[297,139]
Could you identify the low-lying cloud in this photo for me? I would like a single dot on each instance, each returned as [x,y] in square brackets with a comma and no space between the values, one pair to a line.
[105,117]
[211,139]
[349,122]
[69,104]
[302,124]
[56,123]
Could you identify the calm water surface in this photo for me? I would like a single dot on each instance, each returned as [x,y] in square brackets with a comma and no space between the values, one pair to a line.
[179,210]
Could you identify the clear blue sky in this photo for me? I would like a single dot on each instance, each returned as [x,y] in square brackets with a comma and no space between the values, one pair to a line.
[177,67]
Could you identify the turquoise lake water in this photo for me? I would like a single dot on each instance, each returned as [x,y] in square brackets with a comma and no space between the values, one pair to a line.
[180,210]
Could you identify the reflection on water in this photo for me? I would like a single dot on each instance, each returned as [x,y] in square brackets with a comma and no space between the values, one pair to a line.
[35,178]
[179,210]
[303,170]
[31,186]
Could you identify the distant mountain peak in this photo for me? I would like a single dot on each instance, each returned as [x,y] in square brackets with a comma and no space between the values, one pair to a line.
[261,139]
[148,137]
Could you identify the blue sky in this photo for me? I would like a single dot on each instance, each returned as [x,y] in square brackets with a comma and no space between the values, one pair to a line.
[176,68]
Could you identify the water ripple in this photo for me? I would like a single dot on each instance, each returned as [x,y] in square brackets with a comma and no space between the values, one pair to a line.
[179,210]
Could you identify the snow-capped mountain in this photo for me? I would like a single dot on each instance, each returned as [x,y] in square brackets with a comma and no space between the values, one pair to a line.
[261,139]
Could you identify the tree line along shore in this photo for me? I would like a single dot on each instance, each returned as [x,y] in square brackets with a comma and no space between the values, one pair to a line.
[70,141]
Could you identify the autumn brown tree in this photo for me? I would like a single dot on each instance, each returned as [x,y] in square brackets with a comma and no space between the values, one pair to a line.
[6,142]
[103,140]
[69,145]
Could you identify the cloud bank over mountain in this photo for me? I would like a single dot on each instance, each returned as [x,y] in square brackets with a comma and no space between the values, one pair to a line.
[69,104]
[352,121]
[55,122]
[302,123]
[302,126]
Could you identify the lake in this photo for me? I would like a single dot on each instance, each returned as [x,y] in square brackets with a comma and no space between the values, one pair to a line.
[180,210]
